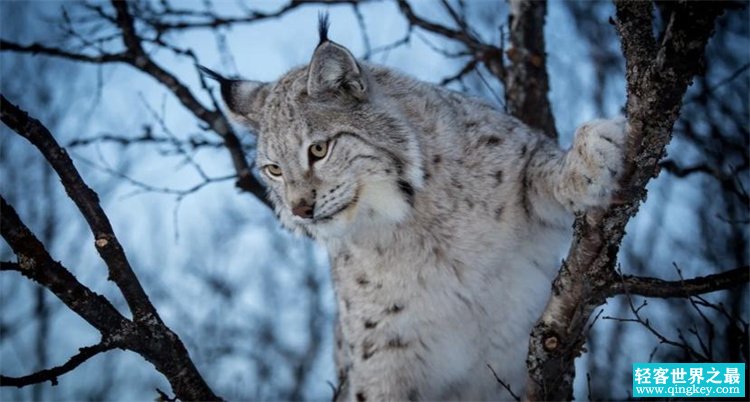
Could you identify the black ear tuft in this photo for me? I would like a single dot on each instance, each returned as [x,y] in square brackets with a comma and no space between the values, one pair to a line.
[244,98]
[225,84]
[323,25]
[211,73]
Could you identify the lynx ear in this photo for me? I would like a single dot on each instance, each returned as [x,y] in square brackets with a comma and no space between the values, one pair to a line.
[244,99]
[333,69]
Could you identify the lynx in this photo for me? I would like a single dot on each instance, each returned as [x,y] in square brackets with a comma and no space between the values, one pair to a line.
[445,219]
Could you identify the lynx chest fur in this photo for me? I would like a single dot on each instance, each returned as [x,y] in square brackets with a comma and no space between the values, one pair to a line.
[445,219]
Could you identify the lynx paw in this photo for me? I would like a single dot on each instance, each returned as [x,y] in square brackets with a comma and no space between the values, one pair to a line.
[594,165]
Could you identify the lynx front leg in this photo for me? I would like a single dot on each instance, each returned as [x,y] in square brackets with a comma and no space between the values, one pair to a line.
[593,165]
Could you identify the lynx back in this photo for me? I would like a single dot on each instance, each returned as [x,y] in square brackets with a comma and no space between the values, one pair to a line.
[445,219]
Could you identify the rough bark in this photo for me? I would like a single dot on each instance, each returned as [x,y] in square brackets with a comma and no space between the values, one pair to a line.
[657,77]
[526,80]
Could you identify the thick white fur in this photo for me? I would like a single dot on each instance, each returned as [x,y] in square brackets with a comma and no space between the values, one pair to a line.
[453,221]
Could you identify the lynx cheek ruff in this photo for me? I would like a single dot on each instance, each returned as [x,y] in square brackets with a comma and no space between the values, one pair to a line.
[444,218]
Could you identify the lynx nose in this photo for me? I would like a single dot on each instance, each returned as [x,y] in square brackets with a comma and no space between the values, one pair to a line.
[303,209]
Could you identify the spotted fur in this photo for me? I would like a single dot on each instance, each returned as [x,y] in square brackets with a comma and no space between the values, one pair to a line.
[444,218]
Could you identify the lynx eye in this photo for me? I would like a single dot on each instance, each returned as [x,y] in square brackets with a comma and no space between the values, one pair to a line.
[273,170]
[318,151]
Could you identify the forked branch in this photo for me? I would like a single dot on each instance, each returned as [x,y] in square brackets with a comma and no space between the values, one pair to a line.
[657,77]
[146,334]
[87,201]
[491,56]
[135,55]
[51,374]
[35,263]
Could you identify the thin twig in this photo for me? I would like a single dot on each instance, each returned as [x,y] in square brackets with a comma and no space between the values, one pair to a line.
[51,374]
[504,384]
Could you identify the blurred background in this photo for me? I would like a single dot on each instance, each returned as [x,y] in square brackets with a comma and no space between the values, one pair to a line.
[253,303]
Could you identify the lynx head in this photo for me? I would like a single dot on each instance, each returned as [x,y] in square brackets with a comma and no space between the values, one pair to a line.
[334,150]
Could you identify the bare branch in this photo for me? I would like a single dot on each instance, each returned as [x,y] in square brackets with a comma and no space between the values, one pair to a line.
[728,181]
[192,142]
[663,340]
[719,84]
[673,168]
[36,264]
[466,69]
[653,287]
[138,58]
[504,384]
[389,46]
[490,56]
[213,118]
[657,78]
[458,35]
[209,20]
[362,28]
[36,48]
[458,19]
[179,193]
[87,201]
[526,80]
[10,266]
[51,374]
[147,335]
